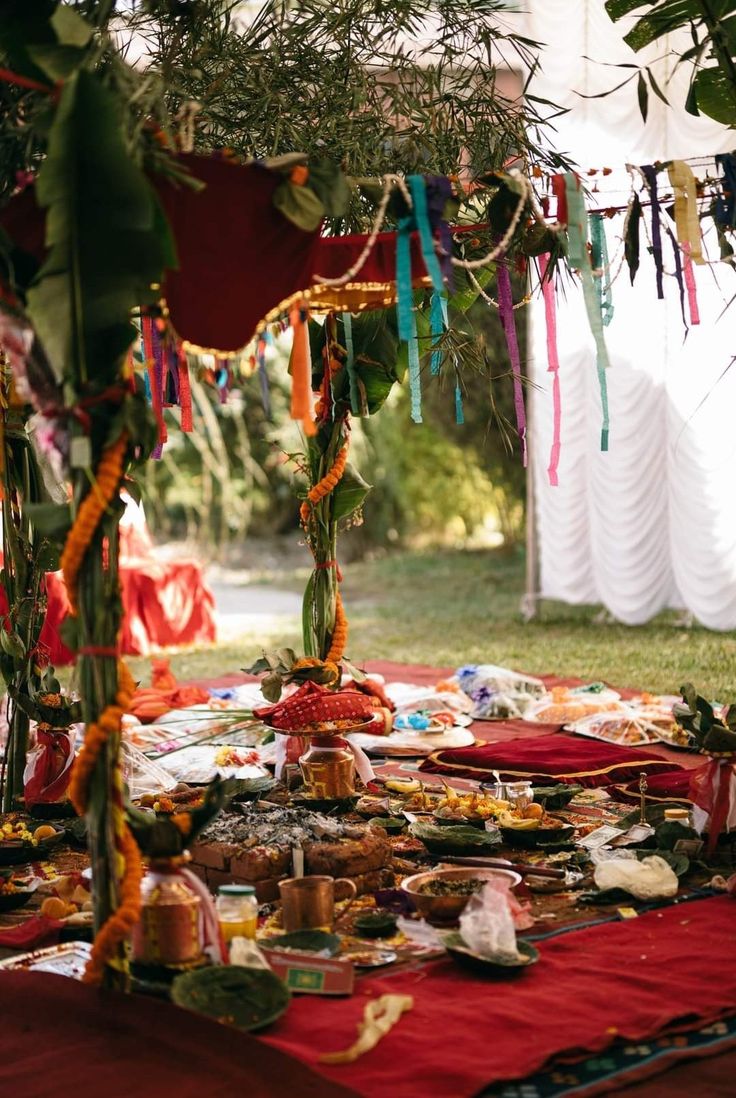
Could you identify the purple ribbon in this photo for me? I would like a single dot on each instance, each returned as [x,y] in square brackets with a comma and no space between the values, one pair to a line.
[650,174]
[439,192]
[506,312]
[157,346]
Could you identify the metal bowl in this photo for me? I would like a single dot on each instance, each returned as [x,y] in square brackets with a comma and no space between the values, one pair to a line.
[448,909]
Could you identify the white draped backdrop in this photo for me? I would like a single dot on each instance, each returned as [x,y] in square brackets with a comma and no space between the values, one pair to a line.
[652,523]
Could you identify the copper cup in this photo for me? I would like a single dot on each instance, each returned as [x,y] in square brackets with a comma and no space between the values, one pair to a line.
[308,903]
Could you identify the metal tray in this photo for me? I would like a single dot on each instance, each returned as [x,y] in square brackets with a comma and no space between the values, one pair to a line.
[68,959]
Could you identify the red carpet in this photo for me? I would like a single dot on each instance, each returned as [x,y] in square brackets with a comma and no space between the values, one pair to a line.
[633,979]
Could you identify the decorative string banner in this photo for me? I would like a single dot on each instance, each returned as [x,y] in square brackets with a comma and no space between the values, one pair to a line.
[219,297]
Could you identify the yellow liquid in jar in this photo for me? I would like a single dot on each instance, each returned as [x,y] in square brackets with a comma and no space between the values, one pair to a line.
[243,928]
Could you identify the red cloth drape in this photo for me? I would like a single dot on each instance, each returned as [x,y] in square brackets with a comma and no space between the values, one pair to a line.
[632,979]
[61,1037]
[564,758]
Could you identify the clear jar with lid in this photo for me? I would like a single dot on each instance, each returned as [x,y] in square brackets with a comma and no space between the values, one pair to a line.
[681,816]
[521,794]
[237,911]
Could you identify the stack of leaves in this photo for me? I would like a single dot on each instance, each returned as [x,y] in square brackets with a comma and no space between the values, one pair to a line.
[713,732]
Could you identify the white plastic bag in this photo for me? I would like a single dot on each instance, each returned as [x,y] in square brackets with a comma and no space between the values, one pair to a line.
[650,879]
[487,923]
[245,952]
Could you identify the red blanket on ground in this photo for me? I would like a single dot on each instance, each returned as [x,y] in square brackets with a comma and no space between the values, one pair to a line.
[633,979]
[566,758]
[63,1038]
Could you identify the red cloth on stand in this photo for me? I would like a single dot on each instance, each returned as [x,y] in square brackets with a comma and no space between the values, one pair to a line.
[634,979]
[165,603]
[565,758]
[60,1037]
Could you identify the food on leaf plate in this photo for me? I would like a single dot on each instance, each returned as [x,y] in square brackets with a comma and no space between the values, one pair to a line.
[468,806]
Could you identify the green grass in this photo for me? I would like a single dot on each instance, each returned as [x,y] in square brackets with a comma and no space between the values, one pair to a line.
[449,608]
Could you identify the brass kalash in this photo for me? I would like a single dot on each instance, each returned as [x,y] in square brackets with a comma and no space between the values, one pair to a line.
[169,934]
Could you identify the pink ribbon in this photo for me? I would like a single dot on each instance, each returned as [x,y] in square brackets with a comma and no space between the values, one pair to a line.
[553,367]
[692,293]
[506,312]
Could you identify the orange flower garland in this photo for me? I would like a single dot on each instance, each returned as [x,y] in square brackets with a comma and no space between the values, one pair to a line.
[91,510]
[121,922]
[117,928]
[323,487]
[339,633]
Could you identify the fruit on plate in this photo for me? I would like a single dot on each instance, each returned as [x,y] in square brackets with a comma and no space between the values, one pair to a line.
[45,831]
[469,805]
[16,832]
[519,823]
[403,786]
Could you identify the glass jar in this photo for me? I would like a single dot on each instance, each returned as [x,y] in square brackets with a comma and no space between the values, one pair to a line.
[328,768]
[520,794]
[237,911]
[680,816]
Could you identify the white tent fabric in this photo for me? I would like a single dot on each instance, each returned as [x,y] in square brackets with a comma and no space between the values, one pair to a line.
[652,523]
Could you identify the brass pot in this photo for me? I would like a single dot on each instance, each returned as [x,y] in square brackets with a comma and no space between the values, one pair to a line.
[168,930]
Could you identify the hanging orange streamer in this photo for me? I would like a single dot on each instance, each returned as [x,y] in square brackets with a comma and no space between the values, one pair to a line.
[301,373]
[339,633]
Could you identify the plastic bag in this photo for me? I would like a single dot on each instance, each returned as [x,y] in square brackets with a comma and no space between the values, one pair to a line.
[142,775]
[245,952]
[487,923]
[650,879]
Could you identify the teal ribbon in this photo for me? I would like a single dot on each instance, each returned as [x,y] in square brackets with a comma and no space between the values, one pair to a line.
[415,379]
[404,293]
[438,324]
[577,234]
[459,413]
[601,263]
[418,191]
[347,327]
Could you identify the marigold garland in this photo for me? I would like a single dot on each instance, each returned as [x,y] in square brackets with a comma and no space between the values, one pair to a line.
[339,633]
[91,510]
[328,484]
[117,928]
[120,924]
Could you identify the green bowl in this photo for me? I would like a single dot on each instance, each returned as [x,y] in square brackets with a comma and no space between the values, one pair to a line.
[541,836]
[489,966]
[459,841]
[247,998]
[393,824]
[375,924]
[305,941]
[555,797]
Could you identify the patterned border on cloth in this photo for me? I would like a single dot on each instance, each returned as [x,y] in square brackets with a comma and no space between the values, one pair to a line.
[622,1063]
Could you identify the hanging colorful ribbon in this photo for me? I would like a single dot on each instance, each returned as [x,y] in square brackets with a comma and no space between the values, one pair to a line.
[185,392]
[438,324]
[553,367]
[725,210]
[506,312]
[415,381]
[577,234]
[262,373]
[302,400]
[602,267]
[459,411]
[692,293]
[650,174]
[687,222]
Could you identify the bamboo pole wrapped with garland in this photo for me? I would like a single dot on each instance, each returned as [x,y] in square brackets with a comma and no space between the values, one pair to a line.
[358,382]
[107,246]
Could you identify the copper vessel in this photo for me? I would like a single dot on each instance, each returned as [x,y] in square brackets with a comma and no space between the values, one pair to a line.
[168,930]
[308,903]
[328,768]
